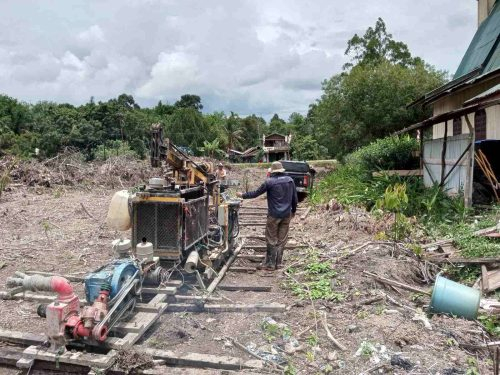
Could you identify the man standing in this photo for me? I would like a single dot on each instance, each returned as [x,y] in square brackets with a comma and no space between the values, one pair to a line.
[281,207]
[220,173]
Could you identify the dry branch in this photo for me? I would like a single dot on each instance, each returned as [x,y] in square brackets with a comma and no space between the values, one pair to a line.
[329,334]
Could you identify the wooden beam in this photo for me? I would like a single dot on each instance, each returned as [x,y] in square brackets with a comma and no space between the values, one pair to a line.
[243,269]
[455,165]
[443,153]
[224,269]
[212,308]
[248,288]
[252,257]
[304,215]
[198,360]
[21,338]
[163,290]
[74,358]
[485,260]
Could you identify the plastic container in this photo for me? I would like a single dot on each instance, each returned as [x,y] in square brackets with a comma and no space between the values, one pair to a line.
[144,251]
[118,214]
[449,297]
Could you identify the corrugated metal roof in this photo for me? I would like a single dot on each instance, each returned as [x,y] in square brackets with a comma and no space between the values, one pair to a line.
[481,59]
[484,94]
[484,50]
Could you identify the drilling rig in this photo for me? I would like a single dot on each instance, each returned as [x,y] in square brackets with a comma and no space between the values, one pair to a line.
[179,221]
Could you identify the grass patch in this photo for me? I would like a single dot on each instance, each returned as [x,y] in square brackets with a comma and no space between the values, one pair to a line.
[314,280]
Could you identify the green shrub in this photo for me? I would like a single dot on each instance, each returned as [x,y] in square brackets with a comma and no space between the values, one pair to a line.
[384,154]
[114,148]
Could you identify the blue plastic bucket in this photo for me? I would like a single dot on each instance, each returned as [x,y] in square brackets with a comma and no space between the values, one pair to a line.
[449,297]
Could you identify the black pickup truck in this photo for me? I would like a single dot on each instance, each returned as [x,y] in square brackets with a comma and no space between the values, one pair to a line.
[302,174]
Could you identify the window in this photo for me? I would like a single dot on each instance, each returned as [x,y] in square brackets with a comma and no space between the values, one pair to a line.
[457,126]
[480,125]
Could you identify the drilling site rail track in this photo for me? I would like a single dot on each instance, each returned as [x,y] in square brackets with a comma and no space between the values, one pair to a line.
[32,356]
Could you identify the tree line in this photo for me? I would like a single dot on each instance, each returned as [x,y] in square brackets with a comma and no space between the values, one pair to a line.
[366,101]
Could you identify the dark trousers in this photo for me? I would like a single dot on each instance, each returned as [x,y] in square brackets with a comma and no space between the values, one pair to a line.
[276,238]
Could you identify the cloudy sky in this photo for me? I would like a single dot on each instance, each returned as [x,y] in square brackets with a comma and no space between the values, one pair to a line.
[255,56]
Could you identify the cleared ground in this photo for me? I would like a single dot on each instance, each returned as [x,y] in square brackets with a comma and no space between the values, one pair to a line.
[62,230]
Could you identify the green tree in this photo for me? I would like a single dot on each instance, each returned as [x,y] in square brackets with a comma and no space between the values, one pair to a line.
[251,131]
[306,148]
[277,125]
[377,45]
[370,100]
[189,101]
[233,131]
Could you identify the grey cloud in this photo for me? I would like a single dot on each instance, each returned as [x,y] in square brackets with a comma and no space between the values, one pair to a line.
[248,56]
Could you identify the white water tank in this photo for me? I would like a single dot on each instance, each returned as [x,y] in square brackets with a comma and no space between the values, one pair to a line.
[144,251]
[122,247]
[118,214]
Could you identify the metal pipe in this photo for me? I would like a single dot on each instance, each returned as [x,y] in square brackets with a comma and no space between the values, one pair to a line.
[35,283]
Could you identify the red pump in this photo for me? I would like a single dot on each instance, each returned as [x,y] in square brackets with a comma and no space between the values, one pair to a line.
[64,318]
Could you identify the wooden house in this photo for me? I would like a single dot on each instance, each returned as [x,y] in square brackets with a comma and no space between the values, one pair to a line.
[466,115]
[276,147]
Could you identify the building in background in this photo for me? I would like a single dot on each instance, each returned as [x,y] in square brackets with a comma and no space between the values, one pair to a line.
[466,116]
[276,147]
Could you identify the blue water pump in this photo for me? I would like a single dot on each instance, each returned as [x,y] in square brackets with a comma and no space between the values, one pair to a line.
[116,274]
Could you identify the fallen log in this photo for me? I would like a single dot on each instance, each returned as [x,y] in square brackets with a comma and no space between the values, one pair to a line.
[396,283]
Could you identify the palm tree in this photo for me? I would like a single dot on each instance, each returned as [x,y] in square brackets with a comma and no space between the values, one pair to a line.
[232,131]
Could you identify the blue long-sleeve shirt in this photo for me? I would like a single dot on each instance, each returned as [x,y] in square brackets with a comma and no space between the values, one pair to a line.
[281,195]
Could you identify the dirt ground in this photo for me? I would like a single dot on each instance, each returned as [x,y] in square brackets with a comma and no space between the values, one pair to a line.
[61,229]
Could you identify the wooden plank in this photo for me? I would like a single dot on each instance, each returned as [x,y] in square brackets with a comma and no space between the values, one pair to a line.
[132,337]
[242,269]
[304,215]
[484,279]
[10,356]
[249,288]
[74,358]
[136,323]
[493,280]
[485,260]
[164,290]
[180,298]
[198,360]
[251,257]
[245,308]
[264,247]
[21,338]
